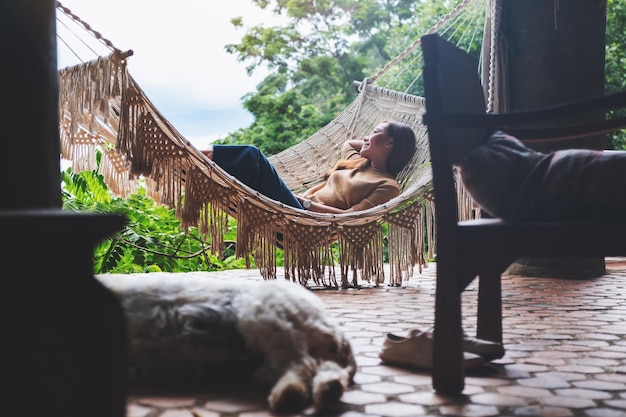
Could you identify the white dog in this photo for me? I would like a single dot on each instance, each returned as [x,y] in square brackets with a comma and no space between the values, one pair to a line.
[194,331]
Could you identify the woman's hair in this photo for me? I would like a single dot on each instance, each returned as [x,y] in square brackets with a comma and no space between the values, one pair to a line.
[404,143]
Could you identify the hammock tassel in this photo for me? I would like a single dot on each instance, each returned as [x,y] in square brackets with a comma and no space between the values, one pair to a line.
[361,249]
[405,239]
[308,255]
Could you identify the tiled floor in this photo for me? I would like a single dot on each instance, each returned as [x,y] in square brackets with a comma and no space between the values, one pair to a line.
[565,342]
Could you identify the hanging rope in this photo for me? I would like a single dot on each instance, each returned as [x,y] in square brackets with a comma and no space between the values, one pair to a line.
[446,21]
[495,13]
[97,35]
[438,25]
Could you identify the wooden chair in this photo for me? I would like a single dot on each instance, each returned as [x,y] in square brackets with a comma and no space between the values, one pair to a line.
[457,122]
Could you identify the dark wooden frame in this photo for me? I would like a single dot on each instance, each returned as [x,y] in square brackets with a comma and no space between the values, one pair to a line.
[457,122]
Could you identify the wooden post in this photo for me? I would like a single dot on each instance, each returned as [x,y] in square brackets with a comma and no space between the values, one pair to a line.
[555,53]
[63,334]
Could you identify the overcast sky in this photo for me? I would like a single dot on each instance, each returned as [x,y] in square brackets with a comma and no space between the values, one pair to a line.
[179,58]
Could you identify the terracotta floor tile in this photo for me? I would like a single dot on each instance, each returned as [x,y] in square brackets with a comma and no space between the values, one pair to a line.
[608,354]
[198,412]
[541,411]
[604,412]
[601,336]
[580,368]
[166,401]
[384,370]
[555,354]
[600,385]
[501,400]
[395,409]
[524,391]
[388,388]
[544,361]
[486,381]
[362,398]
[571,403]
[234,404]
[572,348]
[422,379]
[616,403]
[363,378]
[544,382]
[596,362]
[426,398]
[178,413]
[253,414]
[565,344]
[565,376]
[583,393]
[136,410]
[524,367]
[613,377]
[469,410]
[364,360]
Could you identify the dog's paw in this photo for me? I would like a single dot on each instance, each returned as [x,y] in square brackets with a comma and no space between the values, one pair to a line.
[289,396]
[327,394]
[329,385]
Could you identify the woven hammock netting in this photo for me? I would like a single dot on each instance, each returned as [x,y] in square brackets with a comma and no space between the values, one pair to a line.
[103,107]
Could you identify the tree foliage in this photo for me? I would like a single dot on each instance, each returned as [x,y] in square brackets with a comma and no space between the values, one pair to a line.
[615,55]
[314,58]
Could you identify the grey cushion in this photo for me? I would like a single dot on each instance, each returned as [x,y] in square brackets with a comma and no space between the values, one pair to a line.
[513,182]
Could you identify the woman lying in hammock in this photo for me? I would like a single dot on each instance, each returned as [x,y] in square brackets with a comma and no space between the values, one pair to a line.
[364,178]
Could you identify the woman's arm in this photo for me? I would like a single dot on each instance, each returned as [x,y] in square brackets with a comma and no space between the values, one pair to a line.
[382,193]
[356,144]
[322,208]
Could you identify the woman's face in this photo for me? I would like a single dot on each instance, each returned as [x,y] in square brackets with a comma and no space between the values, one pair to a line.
[377,142]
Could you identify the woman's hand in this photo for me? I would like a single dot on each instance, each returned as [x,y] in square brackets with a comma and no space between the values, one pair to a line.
[356,144]
[322,208]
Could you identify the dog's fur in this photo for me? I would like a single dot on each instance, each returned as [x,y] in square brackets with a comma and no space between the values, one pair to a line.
[194,331]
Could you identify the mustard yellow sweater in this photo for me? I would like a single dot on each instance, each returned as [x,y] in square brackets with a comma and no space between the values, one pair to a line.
[359,188]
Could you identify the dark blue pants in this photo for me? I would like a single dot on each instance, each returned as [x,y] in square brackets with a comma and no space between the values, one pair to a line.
[251,167]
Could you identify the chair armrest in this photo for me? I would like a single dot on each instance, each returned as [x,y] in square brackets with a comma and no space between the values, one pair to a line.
[530,135]
[511,121]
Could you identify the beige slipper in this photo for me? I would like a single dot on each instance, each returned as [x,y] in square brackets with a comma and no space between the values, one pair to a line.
[416,351]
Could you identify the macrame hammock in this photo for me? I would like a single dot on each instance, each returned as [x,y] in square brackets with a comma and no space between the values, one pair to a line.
[102,106]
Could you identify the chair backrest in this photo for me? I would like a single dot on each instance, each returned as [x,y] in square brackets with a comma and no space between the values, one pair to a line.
[451,86]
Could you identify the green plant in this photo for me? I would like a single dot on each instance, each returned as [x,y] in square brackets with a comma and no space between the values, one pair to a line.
[152,240]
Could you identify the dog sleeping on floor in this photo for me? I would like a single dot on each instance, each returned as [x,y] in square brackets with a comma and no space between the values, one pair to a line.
[198,332]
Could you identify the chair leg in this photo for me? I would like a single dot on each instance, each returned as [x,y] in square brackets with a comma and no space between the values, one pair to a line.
[489,324]
[448,376]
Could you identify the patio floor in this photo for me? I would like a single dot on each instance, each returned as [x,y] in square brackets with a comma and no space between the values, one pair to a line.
[565,356]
